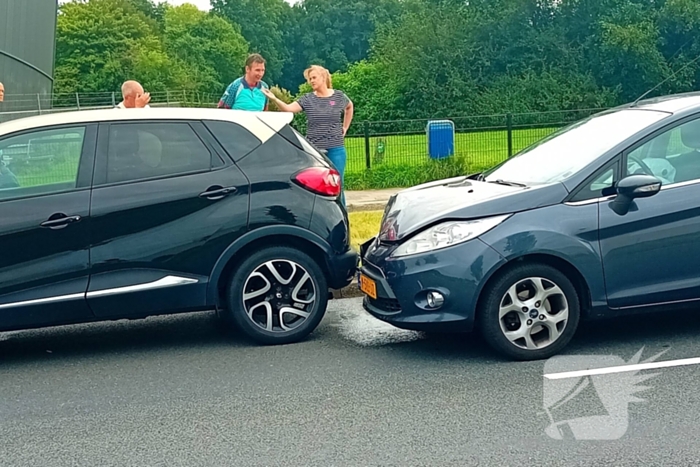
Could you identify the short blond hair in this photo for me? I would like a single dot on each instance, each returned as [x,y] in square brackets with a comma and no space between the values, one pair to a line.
[323,71]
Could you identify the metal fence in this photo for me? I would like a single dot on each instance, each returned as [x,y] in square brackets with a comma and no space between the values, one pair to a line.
[482,141]
[27,105]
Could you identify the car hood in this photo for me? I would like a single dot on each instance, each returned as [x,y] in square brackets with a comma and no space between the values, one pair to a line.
[413,209]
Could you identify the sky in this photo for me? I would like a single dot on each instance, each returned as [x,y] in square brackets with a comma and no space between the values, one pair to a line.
[205,4]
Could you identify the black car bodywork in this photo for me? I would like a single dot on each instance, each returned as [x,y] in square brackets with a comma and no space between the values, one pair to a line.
[156,213]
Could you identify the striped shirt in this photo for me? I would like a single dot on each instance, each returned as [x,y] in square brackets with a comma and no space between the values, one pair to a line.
[324,128]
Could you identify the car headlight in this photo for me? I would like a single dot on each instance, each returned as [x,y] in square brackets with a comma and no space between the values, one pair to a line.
[447,234]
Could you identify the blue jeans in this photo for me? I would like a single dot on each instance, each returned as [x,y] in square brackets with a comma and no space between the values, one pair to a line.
[338,157]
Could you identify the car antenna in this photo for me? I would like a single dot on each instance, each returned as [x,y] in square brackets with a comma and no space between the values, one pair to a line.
[662,82]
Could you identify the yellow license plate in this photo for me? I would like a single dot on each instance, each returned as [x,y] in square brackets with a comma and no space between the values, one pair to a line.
[368,286]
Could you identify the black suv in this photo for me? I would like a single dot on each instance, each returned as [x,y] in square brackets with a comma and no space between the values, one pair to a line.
[128,213]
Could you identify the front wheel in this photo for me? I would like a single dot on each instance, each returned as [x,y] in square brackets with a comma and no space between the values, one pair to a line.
[530,312]
[278,295]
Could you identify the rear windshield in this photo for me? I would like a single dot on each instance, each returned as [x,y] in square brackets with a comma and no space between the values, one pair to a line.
[294,137]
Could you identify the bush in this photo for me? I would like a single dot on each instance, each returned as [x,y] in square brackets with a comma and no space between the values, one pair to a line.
[281,94]
[393,176]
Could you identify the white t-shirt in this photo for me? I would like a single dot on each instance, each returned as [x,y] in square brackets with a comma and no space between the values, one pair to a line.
[121,106]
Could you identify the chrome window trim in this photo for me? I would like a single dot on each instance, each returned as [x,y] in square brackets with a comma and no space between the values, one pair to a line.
[680,184]
[607,198]
[167,281]
[589,201]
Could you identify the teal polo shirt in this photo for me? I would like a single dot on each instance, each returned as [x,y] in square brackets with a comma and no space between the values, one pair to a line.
[239,95]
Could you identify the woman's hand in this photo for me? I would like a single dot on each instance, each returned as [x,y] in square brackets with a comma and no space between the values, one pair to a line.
[269,94]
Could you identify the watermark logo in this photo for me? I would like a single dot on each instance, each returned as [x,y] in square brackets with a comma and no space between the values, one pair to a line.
[587,397]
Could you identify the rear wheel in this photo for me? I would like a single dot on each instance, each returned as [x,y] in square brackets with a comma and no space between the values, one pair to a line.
[277,295]
[530,312]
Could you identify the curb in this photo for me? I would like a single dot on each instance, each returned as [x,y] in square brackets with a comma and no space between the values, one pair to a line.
[350,291]
[366,207]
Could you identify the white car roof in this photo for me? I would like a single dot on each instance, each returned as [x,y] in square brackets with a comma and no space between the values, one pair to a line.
[261,124]
[672,103]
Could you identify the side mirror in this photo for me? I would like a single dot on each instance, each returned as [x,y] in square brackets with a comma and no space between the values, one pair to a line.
[632,187]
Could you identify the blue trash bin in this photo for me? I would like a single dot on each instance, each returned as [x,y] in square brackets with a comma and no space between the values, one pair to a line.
[441,138]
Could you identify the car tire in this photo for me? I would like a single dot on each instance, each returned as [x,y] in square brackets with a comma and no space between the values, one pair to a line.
[505,324]
[279,282]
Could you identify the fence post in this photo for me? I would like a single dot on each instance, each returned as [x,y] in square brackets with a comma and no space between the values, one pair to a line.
[77,100]
[114,100]
[167,98]
[38,102]
[509,127]
[368,159]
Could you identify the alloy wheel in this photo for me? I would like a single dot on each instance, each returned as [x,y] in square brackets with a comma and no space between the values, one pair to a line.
[279,296]
[533,313]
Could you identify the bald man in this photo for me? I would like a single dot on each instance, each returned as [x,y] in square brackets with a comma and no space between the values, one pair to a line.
[2,92]
[133,96]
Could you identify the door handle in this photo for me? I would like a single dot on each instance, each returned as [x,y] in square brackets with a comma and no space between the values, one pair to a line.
[218,192]
[60,222]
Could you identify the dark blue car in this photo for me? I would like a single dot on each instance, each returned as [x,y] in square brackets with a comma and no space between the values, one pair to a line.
[599,219]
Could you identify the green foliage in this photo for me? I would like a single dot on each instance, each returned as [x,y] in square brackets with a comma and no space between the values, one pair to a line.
[396,59]
[206,49]
[373,91]
[333,33]
[101,42]
[261,23]
[281,94]
[545,91]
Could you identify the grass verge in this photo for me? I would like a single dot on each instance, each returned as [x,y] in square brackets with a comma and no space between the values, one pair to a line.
[363,226]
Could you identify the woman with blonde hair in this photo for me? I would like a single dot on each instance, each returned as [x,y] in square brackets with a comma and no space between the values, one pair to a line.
[324,107]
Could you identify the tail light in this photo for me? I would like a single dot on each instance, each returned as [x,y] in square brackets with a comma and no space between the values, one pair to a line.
[320,180]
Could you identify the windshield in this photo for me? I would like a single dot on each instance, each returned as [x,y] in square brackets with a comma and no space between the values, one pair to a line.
[567,151]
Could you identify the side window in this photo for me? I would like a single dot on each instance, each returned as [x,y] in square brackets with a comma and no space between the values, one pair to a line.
[672,156]
[236,140]
[600,184]
[144,150]
[603,181]
[40,162]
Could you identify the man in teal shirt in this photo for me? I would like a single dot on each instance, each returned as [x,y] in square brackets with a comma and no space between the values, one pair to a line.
[245,93]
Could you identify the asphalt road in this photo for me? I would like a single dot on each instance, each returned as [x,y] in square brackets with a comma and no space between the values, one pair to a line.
[176,391]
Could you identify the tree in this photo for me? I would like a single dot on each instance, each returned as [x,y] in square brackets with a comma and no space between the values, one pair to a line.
[207,51]
[261,24]
[333,33]
[429,56]
[102,43]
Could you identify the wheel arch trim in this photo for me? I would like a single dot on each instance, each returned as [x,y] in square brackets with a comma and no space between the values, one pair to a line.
[581,285]
[256,235]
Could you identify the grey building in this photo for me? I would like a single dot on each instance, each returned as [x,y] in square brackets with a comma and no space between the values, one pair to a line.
[27,51]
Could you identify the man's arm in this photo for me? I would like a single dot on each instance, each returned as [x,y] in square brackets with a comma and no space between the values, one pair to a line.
[229,97]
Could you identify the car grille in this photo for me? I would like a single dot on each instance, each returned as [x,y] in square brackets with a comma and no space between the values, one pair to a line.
[387,305]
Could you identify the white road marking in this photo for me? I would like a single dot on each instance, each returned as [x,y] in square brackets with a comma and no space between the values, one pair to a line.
[623,368]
